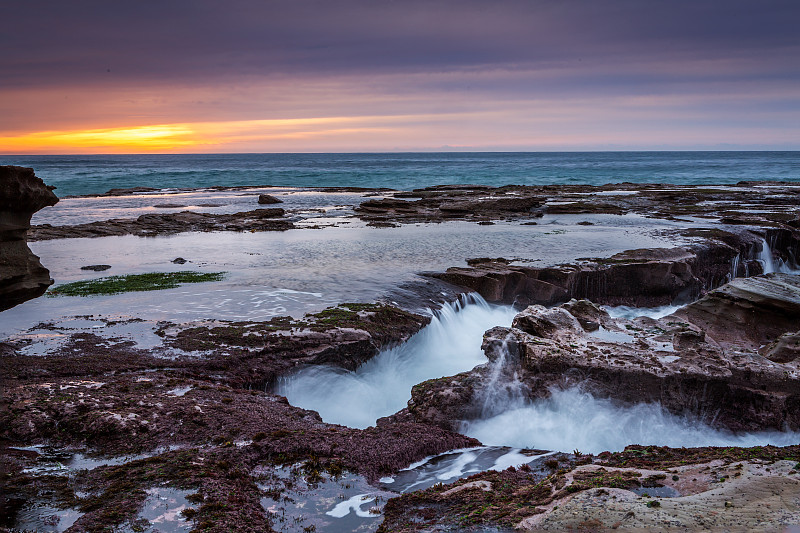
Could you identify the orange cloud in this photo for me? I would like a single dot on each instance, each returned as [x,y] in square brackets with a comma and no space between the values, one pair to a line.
[191,136]
[136,139]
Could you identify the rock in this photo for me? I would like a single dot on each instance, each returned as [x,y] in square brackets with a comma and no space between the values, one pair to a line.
[540,321]
[784,349]
[127,191]
[179,261]
[479,203]
[748,312]
[641,278]
[693,362]
[22,276]
[268,219]
[268,199]
[96,268]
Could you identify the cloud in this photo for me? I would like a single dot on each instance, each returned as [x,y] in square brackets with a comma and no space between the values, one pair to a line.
[100,41]
[527,73]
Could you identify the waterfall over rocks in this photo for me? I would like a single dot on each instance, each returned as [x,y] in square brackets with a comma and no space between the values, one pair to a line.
[450,344]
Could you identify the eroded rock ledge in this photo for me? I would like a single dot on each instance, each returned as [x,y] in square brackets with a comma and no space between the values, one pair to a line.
[641,278]
[709,489]
[268,219]
[772,204]
[196,409]
[727,359]
[22,276]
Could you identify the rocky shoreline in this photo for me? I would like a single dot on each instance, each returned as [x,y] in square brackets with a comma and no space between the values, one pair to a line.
[195,412]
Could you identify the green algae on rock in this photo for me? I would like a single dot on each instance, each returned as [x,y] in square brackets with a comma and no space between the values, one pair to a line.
[152,281]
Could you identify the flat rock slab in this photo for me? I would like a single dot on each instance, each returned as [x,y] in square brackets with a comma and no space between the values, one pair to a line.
[748,312]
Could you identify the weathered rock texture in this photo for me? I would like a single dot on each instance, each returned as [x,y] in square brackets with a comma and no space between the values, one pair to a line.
[268,219]
[641,278]
[748,203]
[713,489]
[22,276]
[702,361]
[108,396]
[453,202]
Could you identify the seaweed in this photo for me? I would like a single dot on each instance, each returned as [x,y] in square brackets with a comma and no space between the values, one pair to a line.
[152,281]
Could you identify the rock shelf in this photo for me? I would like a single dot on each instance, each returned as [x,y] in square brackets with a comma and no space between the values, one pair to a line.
[197,408]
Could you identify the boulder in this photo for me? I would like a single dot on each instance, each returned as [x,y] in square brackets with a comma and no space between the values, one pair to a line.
[748,312]
[268,199]
[22,276]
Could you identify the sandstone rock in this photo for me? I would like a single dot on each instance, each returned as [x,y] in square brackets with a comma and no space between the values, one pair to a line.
[748,312]
[784,349]
[642,278]
[468,202]
[266,219]
[22,276]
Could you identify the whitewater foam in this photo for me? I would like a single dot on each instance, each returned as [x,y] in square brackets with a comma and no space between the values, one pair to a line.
[450,344]
[572,419]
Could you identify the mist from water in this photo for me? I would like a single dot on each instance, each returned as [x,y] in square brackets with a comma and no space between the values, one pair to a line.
[450,344]
[568,420]
[572,419]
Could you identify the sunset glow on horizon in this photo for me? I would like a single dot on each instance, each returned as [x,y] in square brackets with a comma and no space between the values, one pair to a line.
[308,76]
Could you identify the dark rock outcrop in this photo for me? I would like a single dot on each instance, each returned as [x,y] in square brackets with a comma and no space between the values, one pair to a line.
[268,199]
[436,204]
[703,360]
[268,219]
[22,276]
[96,268]
[641,278]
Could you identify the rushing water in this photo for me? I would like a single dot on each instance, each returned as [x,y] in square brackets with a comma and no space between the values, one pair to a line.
[572,419]
[568,420]
[94,174]
[450,344]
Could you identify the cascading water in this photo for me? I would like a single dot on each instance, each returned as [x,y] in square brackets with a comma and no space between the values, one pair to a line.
[769,262]
[765,258]
[450,344]
[572,419]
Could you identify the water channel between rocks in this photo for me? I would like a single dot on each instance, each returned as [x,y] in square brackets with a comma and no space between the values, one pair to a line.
[568,420]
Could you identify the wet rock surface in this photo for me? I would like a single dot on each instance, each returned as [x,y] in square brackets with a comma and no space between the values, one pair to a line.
[268,219]
[240,354]
[695,362]
[268,199]
[197,411]
[733,204]
[22,276]
[750,312]
[194,419]
[640,489]
[641,278]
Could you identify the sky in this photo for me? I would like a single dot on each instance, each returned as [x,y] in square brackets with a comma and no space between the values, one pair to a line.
[202,76]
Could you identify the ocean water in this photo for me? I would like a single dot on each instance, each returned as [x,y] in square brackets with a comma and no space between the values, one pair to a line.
[95,174]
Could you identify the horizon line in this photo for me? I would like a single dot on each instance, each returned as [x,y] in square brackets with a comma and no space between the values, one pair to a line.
[378,152]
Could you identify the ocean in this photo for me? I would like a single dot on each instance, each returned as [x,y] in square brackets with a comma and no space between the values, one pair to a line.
[95,174]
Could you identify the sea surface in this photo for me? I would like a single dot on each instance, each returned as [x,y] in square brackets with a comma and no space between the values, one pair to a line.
[95,174]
